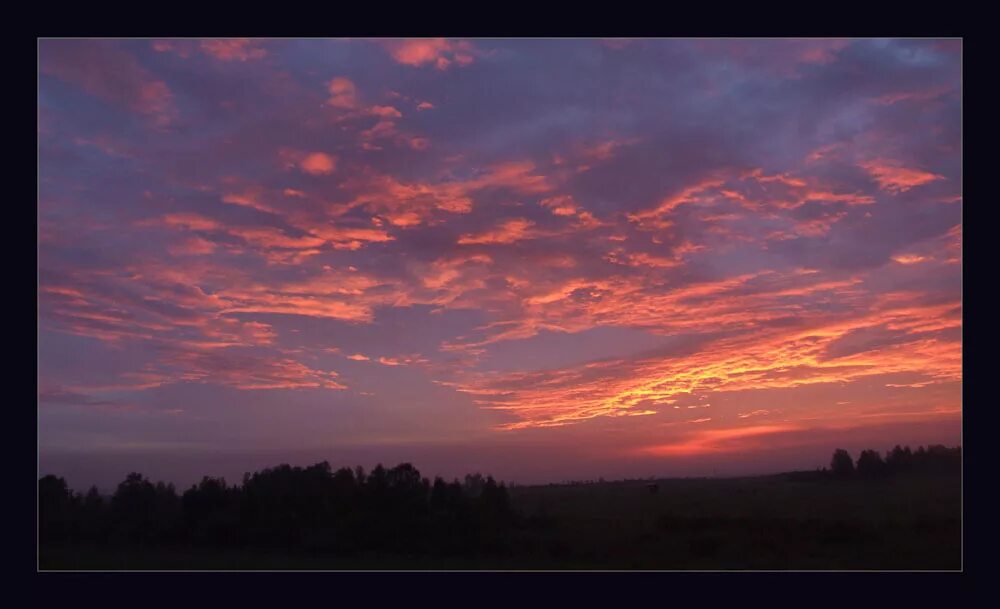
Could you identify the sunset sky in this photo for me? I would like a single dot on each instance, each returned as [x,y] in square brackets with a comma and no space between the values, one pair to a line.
[544,259]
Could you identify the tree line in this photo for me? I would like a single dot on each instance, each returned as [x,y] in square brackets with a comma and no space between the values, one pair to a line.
[870,464]
[348,511]
[306,508]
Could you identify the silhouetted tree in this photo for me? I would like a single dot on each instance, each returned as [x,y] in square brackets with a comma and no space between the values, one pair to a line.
[394,511]
[842,465]
[144,512]
[93,515]
[446,498]
[870,464]
[938,458]
[211,511]
[473,485]
[899,459]
[56,509]
[494,503]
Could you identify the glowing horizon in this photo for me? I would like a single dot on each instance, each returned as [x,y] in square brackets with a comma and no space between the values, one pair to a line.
[547,258]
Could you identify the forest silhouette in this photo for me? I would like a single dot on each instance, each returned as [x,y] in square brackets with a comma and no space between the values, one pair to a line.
[348,513]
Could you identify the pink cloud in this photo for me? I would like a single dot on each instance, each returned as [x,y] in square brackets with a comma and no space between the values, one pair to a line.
[112,74]
[893,177]
[249,199]
[235,49]
[419,143]
[560,206]
[385,112]
[909,258]
[343,93]
[716,440]
[194,246]
[508,231]
[439,52]
[318,163]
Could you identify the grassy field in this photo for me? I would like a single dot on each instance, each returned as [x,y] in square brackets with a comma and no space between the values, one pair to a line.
[905,522]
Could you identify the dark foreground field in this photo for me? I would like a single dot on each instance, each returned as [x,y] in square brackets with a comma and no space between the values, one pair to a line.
[908,521]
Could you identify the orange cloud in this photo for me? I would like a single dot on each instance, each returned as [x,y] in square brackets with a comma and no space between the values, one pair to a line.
[405,360]
[588,155]
[758,357]
[619,256]
[715,440]
[560,206]
[508,231]
[908,258]
[269,237]
[248,199]
[408,204]
[439,52]
[691,194]
[318,163]
[894,178]
[781,192]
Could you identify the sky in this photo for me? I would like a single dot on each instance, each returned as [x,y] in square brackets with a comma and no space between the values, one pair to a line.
[543,259]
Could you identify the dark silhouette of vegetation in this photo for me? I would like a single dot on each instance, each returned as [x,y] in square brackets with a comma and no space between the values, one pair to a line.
[870,464]
[842,465]
[311,508]
[351,515]
[899,460]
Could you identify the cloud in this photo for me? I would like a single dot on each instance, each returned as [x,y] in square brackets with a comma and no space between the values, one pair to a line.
[385,112]
[894,178]
[560,206]
[235,49]
[193,246]
[442,54]
[717,440]
[564,262]
[409,204]
[909,258]
[343,93]
[757,356]
[508,231]
[318,163]
[109,73]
